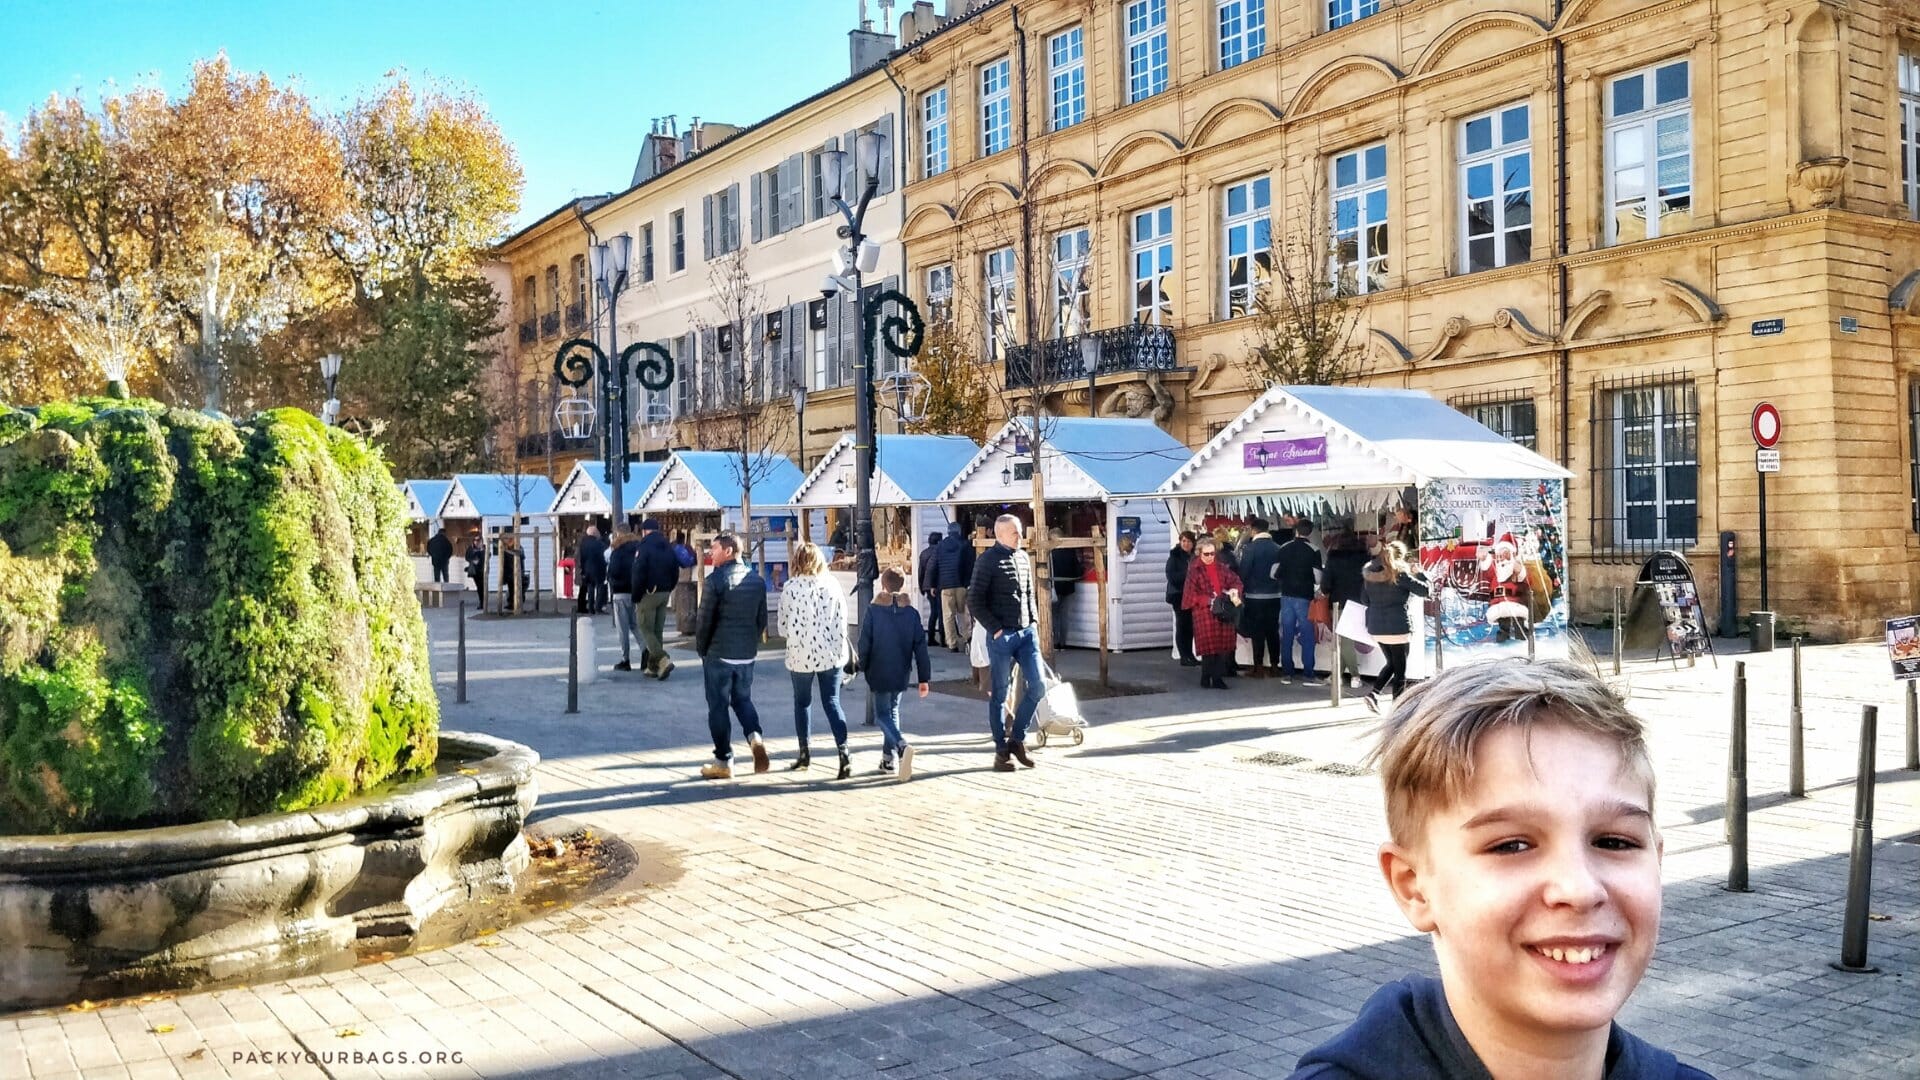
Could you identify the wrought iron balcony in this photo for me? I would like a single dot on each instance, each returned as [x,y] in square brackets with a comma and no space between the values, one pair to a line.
[549,324]
[1137,347]
[528,333]
[576,317]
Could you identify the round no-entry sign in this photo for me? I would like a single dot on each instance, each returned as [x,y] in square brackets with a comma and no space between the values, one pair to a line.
[1766,425]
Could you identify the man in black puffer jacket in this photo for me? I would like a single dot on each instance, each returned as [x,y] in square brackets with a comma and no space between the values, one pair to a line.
[733,620]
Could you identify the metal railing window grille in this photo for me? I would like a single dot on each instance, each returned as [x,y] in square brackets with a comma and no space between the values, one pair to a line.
[1645,470]
[1509,413]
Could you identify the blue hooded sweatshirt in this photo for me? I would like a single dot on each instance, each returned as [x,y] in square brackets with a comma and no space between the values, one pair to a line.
[1406,1032]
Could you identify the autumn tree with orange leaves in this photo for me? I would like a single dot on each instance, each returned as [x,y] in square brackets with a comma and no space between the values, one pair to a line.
[252,232]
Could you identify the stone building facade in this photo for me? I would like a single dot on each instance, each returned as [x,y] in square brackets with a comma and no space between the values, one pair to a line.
[1607,228]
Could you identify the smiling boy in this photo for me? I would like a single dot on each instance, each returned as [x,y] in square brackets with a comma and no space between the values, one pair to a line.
[1520,806]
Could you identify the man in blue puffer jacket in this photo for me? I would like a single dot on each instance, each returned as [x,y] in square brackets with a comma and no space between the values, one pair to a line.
[953,574]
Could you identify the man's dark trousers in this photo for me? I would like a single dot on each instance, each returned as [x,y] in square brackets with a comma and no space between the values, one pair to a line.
[729,685]
[1263,626]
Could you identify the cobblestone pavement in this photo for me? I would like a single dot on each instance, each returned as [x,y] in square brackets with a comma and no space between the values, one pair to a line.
[1190,894]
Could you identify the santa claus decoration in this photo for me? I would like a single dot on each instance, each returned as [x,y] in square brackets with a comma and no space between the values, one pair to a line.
[1508,591]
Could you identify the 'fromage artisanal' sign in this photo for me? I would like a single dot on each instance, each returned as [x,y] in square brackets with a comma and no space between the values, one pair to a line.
[1287,453]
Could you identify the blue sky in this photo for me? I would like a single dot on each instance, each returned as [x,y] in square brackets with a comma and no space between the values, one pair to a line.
[574,87]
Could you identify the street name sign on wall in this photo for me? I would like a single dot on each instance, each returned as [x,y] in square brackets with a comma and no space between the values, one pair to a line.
[1769,327]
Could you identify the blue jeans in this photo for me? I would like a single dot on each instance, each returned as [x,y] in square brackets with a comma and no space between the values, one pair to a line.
[886,711]
[728,685]
[829,703]
[1013,647]
[623,625]
[1294,623]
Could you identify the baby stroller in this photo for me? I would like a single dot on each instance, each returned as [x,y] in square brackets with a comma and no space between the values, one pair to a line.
[1057,715]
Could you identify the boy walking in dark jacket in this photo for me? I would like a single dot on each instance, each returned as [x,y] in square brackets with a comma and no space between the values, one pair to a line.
[892,644]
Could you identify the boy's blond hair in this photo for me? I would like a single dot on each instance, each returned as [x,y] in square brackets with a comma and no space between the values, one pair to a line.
[1426,748]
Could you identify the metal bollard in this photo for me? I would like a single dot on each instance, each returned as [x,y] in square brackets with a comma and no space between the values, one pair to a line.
[460,664]
[573,665]
[1796,735]
[1337,676]
[1853,931]
[1913,728]
[1737,784]
[1619,633]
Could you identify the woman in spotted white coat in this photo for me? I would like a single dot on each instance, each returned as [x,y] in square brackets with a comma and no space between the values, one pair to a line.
[813,619]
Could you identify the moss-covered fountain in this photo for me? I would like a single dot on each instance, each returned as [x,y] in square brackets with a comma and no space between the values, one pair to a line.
[219,745]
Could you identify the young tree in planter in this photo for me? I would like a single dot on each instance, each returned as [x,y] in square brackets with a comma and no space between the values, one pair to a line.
[1030,244]
[1304,311]
[739,384]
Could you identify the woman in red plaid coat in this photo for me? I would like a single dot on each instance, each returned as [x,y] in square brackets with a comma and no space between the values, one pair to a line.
[1213,639]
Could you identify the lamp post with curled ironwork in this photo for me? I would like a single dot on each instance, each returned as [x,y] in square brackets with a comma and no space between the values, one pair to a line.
[900,333]
[580,359]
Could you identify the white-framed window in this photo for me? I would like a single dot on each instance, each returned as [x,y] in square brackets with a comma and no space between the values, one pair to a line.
[1246,218]
[1243,31]
[1649,153]
[1152,251]
[996,107]
[1655,481]
[1496,189]
[1360,219]
[677,237]
[1000,316]
[1342,12]
[933,132]
[646,252]
[940,293]
[1071,289]
[1910,131]
[1146,49]
[817,344]
[1067,66]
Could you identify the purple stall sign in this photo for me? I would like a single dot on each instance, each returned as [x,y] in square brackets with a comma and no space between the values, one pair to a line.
[1287,453]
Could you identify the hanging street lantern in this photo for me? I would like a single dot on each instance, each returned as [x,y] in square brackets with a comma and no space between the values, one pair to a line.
[574,417]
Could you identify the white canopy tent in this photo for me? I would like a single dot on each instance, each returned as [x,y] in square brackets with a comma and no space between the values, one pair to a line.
[1356,451]
[1115,461]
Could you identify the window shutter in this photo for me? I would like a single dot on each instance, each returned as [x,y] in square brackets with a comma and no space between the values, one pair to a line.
[834,307]
[759,208]
[793,189]
[822,205]
[706,226]
[733,217]
[793,339]
[850,169]
[885,361]
[886,154]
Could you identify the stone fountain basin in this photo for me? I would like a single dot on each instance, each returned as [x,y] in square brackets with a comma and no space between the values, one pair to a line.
[95,915]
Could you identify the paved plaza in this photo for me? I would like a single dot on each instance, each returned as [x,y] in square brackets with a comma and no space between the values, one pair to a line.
[1192,893]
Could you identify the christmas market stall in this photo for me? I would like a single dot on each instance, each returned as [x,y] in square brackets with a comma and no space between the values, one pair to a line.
[910,472]
[585,497]
[423,500]
[698,492]
[1487,516]
[502,507]
[1099,477]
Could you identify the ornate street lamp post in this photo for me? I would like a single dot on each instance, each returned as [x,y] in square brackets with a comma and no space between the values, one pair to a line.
[581,359]
[901,334]
[330,371]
